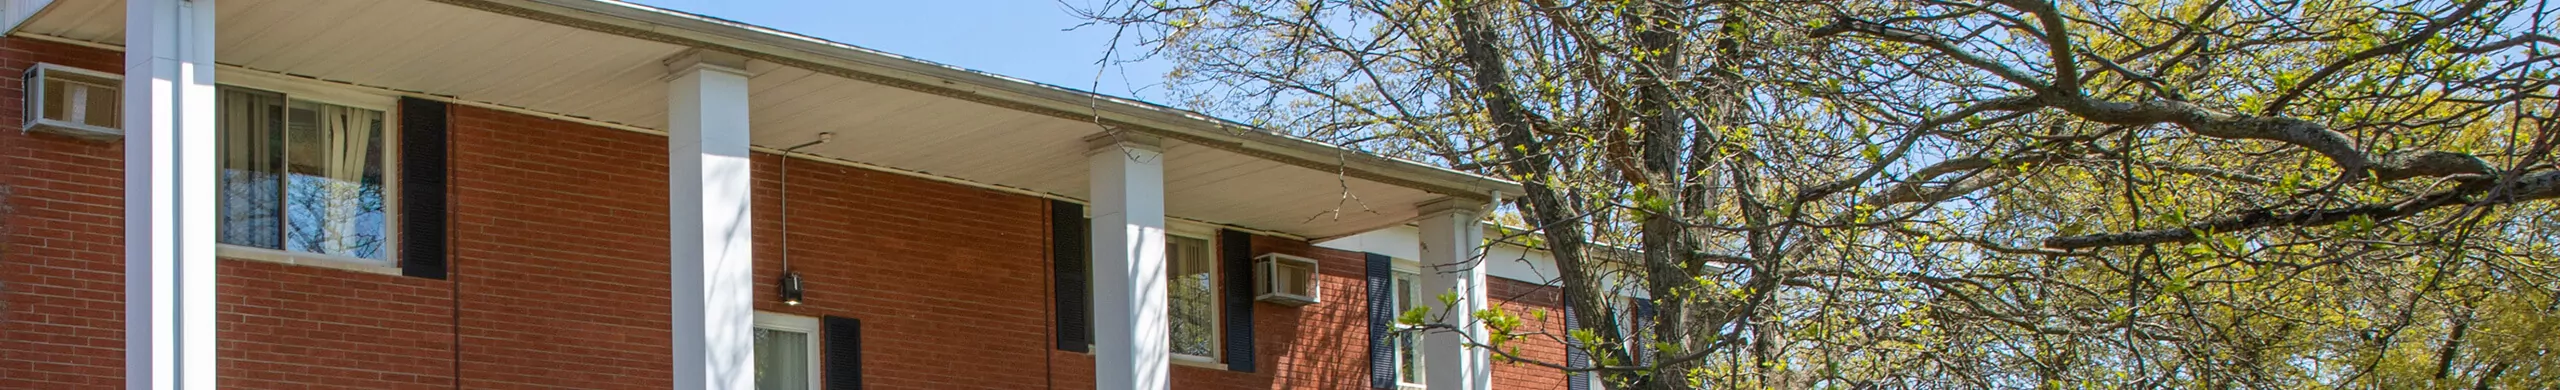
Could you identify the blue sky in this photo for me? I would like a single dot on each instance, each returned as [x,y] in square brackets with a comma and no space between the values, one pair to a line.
[1026,39]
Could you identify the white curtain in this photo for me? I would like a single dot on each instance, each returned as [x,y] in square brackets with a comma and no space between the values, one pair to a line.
[347,155]
[1192,297]
[782,360]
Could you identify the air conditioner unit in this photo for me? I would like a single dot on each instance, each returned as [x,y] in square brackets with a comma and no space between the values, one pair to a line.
[74,102]
[1285,279]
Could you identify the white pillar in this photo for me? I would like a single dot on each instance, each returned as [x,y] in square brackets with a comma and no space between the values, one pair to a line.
[169,174]
[1451,236]
[714,279]
[1132,346]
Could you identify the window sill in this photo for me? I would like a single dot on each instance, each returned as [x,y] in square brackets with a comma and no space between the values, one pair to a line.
[307,259]
[1410,386]
[1196,361]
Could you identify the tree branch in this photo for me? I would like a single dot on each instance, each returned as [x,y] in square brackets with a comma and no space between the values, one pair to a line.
[2395,47]
[2530,187]
[1845,24]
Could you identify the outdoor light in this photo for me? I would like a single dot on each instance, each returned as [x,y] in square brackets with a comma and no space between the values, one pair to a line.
[790,286]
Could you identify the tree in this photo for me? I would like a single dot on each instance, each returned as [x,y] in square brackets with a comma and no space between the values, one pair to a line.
[1897,193]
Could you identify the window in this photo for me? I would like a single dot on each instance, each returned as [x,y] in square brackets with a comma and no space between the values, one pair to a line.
[304,177]
[786,352]
[1192,292]
[1408,344]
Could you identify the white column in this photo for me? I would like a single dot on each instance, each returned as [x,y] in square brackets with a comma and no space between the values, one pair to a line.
[1132,349]
[169,174]
[714,280]
[1451,236]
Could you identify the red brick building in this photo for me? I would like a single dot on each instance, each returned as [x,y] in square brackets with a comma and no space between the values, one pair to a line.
[413,194]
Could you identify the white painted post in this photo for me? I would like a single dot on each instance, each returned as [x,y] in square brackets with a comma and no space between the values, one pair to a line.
[1132,346]
[1451,235]
[169,174]
[713,259]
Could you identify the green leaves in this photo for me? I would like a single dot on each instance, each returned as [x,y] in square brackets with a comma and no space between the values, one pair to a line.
[1962,289]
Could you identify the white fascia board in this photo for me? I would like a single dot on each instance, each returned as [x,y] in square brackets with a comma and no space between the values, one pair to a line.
[899,71]
[17,12]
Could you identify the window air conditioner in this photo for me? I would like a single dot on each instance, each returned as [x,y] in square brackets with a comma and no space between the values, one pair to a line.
[73,102]
[1285,279]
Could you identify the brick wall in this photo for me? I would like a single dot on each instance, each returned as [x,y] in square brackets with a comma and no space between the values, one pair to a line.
[61,268]
[559,276]
[560,253]
[1542,321]
[299,327]
[62,279]
[950,282]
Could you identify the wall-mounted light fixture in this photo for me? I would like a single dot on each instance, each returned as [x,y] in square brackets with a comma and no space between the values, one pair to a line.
[789,285]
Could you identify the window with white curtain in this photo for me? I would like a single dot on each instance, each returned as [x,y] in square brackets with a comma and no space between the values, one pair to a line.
[304,177]
[1191,273]
[1192,292]
[786,352]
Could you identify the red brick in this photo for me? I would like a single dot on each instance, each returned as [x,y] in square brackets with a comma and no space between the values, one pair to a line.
[559,276]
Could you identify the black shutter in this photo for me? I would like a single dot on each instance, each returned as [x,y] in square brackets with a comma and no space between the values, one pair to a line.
[422,188]
[1237,253]
[1067,270]
[1574,356]
[1382,316]
[844,353]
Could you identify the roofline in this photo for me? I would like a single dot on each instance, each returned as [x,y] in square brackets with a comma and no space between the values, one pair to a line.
[1109,112]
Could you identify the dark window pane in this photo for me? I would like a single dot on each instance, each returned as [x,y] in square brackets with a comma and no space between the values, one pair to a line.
[252,166]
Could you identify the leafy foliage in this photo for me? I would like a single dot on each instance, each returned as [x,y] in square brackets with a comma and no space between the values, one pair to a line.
[2011,193]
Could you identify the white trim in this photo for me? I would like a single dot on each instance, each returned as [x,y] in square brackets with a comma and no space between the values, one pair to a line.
[349,263]
[1180,359]
[803,325]
[1193,229]
[849,58]
[16,13]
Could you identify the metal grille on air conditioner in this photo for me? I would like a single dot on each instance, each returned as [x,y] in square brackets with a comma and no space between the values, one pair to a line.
[74,102]
[1285,279]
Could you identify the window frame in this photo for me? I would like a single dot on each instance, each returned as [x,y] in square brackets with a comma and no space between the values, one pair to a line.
[1407,276]
[321,92]
[1217,296]
[803,325]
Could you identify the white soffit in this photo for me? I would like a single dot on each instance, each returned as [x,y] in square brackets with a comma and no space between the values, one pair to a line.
[600,61]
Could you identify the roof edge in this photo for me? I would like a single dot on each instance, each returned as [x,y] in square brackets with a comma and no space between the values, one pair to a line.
[1108,112]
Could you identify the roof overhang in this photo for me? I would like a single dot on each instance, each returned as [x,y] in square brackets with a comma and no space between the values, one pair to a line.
[599,62]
